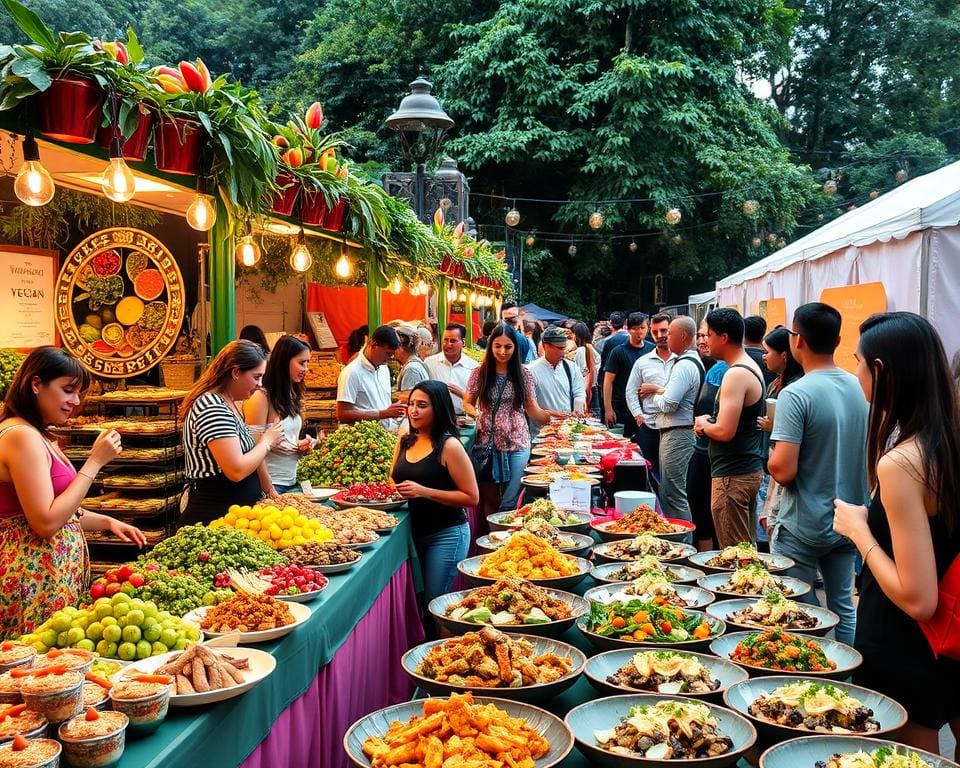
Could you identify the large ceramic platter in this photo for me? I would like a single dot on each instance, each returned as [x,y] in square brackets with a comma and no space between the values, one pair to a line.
[299,611]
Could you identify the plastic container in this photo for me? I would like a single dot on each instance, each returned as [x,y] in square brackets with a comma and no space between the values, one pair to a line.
[627,501]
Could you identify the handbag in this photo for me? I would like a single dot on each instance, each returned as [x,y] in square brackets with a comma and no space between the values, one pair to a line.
[942,630]
[481,455]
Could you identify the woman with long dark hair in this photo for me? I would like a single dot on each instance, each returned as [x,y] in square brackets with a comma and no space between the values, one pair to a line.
[43,553]
[779,360]
[588,360]
[222,457]
[433,472]
[910,534]
[280,399]
[501,389]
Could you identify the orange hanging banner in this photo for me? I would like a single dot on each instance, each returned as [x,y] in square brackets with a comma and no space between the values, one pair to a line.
[774,311]
[855,303]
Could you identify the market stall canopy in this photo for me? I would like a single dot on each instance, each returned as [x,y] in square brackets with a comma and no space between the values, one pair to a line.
[546,315]
[929,201]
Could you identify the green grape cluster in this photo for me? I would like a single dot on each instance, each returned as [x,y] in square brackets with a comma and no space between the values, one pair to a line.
[204,552]
[180,594]
[355,453]
[10,361]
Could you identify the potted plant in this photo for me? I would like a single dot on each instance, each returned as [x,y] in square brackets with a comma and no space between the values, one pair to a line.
[131,105]
[67,73]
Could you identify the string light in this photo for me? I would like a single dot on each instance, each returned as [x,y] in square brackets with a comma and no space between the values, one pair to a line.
[750,207]
[343,268]
[34,185]
[512,218]
[461,296]
[473,297]
[633,246]
[300,258]
[596,220]
[201,213]
[423,288]
[248,252]
[118,182]
[396,286]
[451,294]
[530,241]
[830,187]
[673,216]
[572,250]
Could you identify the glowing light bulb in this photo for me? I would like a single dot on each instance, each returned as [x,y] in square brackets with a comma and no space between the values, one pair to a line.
[572,250]
[201,213]
[118,181]
[33,186]
[530,241]
[512,218]
[300,258]
[248,252]
[473,297]
[673,216]
[422,287]
[395,286]
[452,294]
[596,220]
[343,268]
[461,296]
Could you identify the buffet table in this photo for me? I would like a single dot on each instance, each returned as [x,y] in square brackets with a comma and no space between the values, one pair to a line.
[341,664]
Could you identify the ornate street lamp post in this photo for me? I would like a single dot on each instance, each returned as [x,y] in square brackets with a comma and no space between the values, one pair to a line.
[422,124]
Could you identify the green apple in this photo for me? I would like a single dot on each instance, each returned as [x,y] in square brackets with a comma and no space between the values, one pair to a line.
[107,649]
[144,649]
[95,631]
[112,634]
[127,651]
[131,634]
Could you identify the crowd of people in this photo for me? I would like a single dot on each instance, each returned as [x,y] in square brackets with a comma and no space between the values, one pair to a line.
[751,435]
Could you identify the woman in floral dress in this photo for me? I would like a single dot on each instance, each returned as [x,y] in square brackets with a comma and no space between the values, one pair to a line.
[43,554]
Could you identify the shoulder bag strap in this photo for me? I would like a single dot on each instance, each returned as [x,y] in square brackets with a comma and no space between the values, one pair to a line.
[566,369]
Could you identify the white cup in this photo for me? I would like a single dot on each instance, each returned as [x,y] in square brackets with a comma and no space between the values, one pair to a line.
[771,407]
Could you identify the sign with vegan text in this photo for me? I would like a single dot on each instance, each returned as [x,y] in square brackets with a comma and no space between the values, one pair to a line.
[120,302]
[27,279]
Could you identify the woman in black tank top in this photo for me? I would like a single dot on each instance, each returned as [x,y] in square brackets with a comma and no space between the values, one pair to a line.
[433,472]
[911,533]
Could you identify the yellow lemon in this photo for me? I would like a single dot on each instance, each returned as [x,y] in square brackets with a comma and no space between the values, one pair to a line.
[242,523]
[298,540]
[313,524]
[254,525]
[275,533]
[285,523]
[265,536]
[295,531]
[230,518]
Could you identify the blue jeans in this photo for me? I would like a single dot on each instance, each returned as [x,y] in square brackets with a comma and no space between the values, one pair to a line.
[439,554]
[676,448]
[836,563]
[508,473]
[295,488]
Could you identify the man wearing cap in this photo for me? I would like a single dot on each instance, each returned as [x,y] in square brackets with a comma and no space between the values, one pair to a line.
[558,384]
[363,389]
[451,366]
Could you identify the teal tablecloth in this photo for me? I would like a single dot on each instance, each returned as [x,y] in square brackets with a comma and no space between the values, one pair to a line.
[224,734]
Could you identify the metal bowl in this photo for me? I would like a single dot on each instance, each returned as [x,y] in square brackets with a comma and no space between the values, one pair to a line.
[605,643]
[695,597]
[716,583]
[807,751]
[603,574]
[826,619]
[470,566]
[844,656]
[578,606]
[774,563]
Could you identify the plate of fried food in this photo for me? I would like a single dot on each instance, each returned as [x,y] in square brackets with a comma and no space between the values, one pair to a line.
[203,675]
[520,667]
[526,556]
[444,731]
[255,618]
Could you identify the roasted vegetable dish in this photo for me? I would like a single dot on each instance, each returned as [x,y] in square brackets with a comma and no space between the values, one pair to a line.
[813,707]
[642,520]
[753,579]
[510,601]
[645,622]
[667,730]
[664,672]
[775,649]
[643,565]
[738,556]
[641,546]
[491,659]
[883,757]
[542,509]
[774,610]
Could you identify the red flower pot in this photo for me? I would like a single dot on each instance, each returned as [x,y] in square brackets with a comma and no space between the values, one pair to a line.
[70,109]
[336,216]
[177,143]
[445,264]
[284,201]
[458,271]
[313,207]
[134,148]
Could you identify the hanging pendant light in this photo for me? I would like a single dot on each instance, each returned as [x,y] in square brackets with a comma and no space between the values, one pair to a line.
[118,181]
[572,250]
[248,252]
[423,288]
[530,241]
[512,218]
[595,220]
[201,213]
[34,185]
[395,286]
[673,216]
[452,294]
[633,246]
[343,268]
[300,258]
[473,297]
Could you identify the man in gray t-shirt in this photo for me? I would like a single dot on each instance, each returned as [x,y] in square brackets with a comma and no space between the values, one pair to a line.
[820,433]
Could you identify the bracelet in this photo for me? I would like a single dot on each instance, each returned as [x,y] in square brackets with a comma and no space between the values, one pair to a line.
[872,547]
[84,474]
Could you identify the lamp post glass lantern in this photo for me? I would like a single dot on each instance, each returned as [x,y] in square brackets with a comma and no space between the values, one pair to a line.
[421,124]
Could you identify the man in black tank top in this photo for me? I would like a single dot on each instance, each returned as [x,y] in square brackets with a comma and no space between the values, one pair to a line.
[736,465]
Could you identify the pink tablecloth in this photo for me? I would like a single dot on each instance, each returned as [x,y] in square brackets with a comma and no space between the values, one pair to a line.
[363,676]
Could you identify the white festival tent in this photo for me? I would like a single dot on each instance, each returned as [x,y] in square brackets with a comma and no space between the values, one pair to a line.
[907,239]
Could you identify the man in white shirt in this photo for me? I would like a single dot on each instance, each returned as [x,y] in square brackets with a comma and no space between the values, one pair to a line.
[650,368]
[363,388]
[673,404]
[558,383]
[451,366]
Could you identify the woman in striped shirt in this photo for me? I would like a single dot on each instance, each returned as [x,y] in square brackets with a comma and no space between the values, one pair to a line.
[222,458]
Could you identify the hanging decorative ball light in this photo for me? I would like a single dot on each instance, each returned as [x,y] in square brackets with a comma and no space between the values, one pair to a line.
[874,195]
[750,207]
[512,218]
[673,216]
[343,268]
[677,240]
[830,187]
[34,185]
[902,176]
[413,289]
[819,217]
[462,296]
[771,238]
[605,249]
[633,246]
[446,203]
[473,297]
[452,294]
[531,240]
[395,286]
[572,250]
[423,288]
[300,258]
[595,220]
[756,242]
[117,181]
[781,243]
[248,252]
